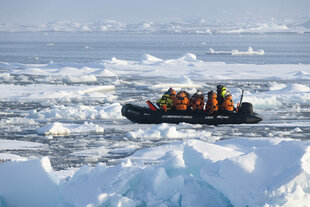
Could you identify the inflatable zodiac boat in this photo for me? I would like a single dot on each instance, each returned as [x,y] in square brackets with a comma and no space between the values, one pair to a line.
[143,115]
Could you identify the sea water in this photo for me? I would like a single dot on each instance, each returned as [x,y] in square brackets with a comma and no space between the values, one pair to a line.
[67,47]
[22,116]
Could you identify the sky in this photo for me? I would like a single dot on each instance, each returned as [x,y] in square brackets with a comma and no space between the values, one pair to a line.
[135,11]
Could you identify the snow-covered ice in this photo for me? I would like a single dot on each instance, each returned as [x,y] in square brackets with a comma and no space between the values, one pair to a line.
[163,131]
[14,144]
[65,129]
[41,92]
[57,112]
[238,172]
[187,66]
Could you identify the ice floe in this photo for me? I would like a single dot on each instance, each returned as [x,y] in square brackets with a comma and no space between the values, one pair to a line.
[108,111]
[279,96]
[17,121]
[260,29]
[238,172]
[250,51]
[11,157]
[83,78]
[116,61]
[149,59]
[79,74]
[181,83]
[13,145]
[150,67]
[165,131]
[60,129]
[105,73]
[5,76]
[45,91]
[19,145]
[188,59]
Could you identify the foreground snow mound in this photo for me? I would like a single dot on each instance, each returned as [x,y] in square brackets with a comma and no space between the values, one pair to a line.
[275,174]
[238,172]
[29,183]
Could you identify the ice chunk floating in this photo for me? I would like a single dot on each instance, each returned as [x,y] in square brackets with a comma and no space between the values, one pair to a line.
[250,51]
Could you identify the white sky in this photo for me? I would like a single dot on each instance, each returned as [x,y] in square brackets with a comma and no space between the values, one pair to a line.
[129,11]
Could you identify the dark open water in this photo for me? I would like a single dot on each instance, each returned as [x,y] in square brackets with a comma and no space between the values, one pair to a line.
[93,47]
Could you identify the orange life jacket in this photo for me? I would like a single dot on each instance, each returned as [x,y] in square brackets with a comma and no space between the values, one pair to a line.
[212,104]
[228,104]
[197,103]
[181,101]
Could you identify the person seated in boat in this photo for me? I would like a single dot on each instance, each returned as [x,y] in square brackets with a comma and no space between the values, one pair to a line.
[221,91]
[166,101]
[212,105]
[187,95]
[181,101]
[228,104]
[172,93]
[197,101]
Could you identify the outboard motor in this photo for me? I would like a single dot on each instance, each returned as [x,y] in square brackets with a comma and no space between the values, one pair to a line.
[246,108]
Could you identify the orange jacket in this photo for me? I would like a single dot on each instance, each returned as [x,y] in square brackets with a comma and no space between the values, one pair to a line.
[181,101]
[228,104]
[197,103]
[212,104]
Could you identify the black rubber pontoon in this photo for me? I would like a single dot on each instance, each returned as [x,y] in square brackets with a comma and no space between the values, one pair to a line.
[142,115]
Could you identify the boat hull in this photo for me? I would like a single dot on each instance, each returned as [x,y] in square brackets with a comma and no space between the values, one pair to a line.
[144,115]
